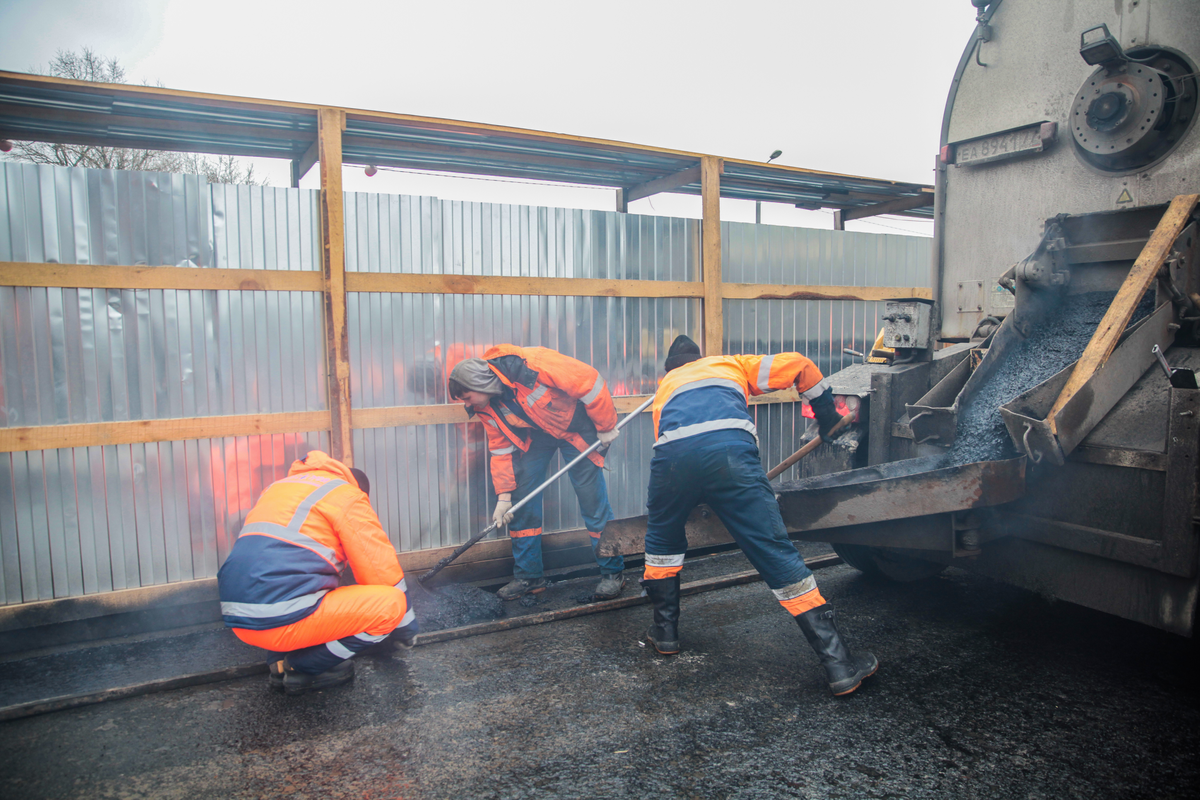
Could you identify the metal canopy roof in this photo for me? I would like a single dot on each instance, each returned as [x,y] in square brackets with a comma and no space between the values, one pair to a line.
[39,108]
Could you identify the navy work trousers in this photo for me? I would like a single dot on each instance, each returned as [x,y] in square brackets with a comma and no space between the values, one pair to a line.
[530,468]
[724,470]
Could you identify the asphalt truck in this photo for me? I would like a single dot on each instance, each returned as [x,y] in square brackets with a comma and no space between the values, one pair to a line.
[1023,426]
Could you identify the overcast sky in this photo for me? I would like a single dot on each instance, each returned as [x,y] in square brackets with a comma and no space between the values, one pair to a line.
[853,86]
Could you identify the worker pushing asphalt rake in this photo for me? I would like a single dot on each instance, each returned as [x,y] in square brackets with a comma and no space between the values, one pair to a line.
[458,551]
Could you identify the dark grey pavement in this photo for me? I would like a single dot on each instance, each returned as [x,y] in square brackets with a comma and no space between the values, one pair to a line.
[984,691]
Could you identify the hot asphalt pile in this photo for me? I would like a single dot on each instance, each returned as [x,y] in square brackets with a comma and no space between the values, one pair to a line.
[452,606]
[1051,346]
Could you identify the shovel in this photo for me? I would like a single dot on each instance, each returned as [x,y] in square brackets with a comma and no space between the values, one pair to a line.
[808,447]
[462,548]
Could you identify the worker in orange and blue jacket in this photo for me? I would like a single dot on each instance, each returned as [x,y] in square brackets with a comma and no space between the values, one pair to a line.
[534,402]
[279,587]
[706,451]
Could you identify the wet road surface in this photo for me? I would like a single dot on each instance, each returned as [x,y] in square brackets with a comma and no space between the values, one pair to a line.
[983,691]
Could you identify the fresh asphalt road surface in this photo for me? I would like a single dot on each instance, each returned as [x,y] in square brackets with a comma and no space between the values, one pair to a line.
[984,691]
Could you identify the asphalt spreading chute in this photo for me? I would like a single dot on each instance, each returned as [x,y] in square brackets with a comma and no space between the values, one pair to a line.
[1053,344]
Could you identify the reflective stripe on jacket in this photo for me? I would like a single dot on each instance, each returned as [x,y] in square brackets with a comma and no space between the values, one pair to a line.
[300,535]
[561,395]
[713,393]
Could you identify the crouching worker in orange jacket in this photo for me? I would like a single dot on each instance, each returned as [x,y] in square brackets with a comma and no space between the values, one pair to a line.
[534,402]
[279,587]
[706,451]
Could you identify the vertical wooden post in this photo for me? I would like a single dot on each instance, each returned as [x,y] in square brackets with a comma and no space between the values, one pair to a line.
[622,203]
[330,124]
[839,222]
[711,168]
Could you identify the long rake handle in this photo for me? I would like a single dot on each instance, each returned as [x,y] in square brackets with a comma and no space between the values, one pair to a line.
[808,447]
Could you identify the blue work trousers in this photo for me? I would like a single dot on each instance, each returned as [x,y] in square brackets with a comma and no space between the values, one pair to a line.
[530,468]
[724,470]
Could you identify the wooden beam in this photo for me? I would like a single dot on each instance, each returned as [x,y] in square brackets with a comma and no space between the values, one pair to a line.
[95,276]
[1141,277]
[758,291]
[891,207]
[666,183]
[622,202]
[400,416]
[710,253]
[100,434]
[301,166]
[96,434]
[449,413]
[839,220]
[331,122]
[628,403]
[497,285]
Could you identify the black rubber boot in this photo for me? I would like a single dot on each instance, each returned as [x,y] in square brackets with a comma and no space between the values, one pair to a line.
[664,633]
[275,672]
[844,669]
[301,682]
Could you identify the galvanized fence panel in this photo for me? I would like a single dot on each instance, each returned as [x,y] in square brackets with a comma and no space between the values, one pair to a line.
[93,519]
[403,346]
[819,329]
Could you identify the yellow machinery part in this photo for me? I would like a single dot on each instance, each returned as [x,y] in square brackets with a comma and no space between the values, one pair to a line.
[879,353]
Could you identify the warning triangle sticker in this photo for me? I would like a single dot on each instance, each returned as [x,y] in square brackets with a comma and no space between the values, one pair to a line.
[1125,197]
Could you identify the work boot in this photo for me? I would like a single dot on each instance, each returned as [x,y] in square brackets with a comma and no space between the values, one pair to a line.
[519,587]
[610,586]
[664,633]
[844,669]
[406,636]
[275,675]
[302,682]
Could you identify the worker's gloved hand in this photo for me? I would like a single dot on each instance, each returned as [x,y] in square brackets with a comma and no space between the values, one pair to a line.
[607,437]
[827,416]
[501,515]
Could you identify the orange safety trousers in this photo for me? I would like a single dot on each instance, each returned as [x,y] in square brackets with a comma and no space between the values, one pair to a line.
[343,612]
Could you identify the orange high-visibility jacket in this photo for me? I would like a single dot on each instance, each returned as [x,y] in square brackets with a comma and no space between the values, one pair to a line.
[712,393]
[559,394]
[304,530]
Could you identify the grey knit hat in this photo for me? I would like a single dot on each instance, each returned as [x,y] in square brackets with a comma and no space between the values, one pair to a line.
[474,375]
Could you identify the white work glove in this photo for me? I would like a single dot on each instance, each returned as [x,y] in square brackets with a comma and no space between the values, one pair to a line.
[502,516]
[607,437]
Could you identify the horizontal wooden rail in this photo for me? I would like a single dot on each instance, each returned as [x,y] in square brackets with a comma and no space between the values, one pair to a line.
[96,434]
[784,291]
[497,285]
[448,414]
[96,276]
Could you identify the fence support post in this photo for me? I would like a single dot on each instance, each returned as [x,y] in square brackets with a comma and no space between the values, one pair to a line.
[330,124]
[711,168]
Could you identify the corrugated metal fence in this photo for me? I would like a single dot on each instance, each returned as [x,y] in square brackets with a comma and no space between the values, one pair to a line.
[92,519]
